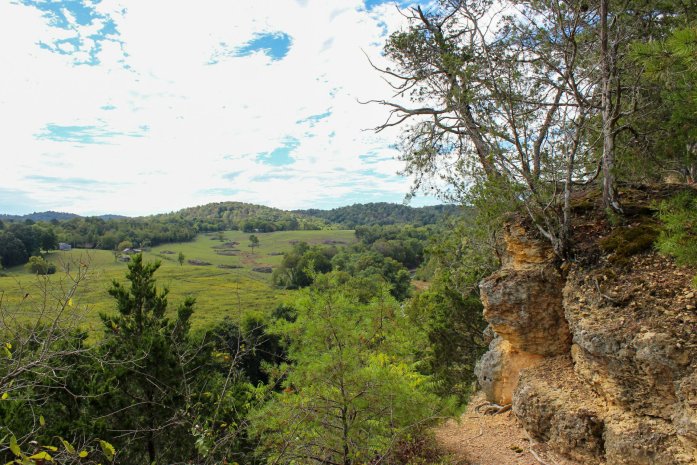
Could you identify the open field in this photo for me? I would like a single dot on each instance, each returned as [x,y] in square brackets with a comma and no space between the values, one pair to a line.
[219,292]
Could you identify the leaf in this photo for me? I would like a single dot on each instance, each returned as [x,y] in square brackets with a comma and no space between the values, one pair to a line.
[14,447]
[42,420]
[69,447]
[42,456]
[51,448]
[70,302]
[82,454]
[108,449]
[4,396]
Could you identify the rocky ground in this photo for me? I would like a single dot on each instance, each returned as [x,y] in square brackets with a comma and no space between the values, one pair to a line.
[481,439]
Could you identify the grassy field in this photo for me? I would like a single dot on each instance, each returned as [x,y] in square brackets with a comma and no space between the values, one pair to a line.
[225,286]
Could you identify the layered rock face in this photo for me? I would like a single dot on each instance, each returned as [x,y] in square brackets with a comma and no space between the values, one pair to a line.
[601,366]
[523,305]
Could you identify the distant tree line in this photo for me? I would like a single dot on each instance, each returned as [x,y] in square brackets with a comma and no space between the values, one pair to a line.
[244,217]
[382,213]
[22,237]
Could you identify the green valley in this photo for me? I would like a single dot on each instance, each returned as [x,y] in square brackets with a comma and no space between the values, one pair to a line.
[218,270]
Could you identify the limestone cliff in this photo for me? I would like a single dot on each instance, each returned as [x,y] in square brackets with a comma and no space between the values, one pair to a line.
[598,361]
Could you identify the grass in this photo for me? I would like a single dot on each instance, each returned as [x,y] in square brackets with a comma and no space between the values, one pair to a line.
[219,292]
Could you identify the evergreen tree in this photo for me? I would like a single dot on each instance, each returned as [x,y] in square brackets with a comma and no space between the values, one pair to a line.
[353,389]
[148,371]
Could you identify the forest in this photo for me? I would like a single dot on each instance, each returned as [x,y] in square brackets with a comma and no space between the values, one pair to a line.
[541,110]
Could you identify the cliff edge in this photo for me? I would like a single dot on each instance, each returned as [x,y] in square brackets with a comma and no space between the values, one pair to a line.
[597,355]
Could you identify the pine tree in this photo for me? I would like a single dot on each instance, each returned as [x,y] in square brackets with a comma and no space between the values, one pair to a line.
[148,370]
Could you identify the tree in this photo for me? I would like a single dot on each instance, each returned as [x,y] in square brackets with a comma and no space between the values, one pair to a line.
[48,239]
[375,267]
[527,98]
[29,234]
[151,373]
[180,258]
[352,390]
[37,265]
[299,265]
[610,110]
[253,241]
[669,70]
[495,96]
[123,245]
[12,250]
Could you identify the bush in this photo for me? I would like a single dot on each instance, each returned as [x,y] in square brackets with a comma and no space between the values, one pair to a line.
[678,237]
[37,265]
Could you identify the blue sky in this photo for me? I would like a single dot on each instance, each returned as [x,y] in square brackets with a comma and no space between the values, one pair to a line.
[139,107]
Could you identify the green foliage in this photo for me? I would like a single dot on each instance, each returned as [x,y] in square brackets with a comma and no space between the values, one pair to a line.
[46,369]
[301,264]
[37,265]
[244,217]
[353,387]
[678,236]
[253,346]
[372,266]
[63,452]
[123,245]
[464,250]
[253,241]
[461,252]
[403,243]
[12,250]
[453,325]
[670,71]
[152,370]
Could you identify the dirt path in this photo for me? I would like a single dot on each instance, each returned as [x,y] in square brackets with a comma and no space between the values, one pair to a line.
[492,440]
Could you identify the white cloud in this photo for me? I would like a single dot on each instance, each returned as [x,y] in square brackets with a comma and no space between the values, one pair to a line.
[171,124]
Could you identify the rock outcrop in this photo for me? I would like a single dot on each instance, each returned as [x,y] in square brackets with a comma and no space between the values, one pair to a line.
[523,305]
[600,365]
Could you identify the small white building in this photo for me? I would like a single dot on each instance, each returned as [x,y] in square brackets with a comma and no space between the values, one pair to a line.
[64,246]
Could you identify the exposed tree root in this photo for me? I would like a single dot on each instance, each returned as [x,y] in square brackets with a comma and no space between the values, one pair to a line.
[490,408]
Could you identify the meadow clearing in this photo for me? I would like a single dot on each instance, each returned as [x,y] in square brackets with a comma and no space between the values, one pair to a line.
[226,285]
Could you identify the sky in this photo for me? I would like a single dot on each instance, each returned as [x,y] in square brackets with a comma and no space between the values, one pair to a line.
[140,107]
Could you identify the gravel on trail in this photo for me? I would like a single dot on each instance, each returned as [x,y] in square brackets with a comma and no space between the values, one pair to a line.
[480,439]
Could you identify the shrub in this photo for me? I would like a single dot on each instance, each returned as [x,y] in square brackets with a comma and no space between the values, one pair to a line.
[37,265]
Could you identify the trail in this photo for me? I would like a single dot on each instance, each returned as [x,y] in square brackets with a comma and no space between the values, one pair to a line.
[478,439]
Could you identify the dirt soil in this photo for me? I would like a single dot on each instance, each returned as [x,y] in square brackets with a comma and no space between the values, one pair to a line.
[479,439]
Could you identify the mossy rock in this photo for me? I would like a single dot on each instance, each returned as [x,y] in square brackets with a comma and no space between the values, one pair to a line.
[625,241]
